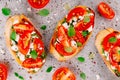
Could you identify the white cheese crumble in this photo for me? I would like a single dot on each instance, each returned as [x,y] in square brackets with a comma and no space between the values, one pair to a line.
[113,67]
[15,22]
[98,77]
[29,9]
[17,38]
[14,47]
[74,23]
[21,56]
[90,28]
[73,43]
[66,26]
[106,54]
[74,19]
[31,46]
[81,17]
[118,36]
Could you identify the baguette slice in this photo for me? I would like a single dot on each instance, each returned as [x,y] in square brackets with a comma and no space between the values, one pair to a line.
[31,67]
[99,38]
[53,49]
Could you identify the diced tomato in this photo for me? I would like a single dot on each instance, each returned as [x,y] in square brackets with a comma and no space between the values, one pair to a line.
[105,10]
[32,63]
[106,44]
[3,72]
[84,26]
[21,28]
[38,3]
[38,46]
[24,43]
[61,50]
[63,73]
[79,38]
[78,11]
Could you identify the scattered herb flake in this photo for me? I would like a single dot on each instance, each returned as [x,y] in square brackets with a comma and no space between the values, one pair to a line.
[43,12]
[81,59]
[79,44]
[34,54]
[103,51]
[112,39]
[91,55]
[68,49]
[86,19]
[119,51]
[17,75]
[43,55]
[83,76]
[6,11]
[71,31]
[43,27]
[49,69]
[13,35]
[85,33]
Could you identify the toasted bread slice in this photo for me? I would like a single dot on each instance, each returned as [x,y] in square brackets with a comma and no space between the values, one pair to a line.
[99,38]
[53,50]
[16,19]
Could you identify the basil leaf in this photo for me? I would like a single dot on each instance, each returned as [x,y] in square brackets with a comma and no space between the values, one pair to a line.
[43,55]
[79,44]
[83,76]
[68,49]
[85,33]
[16,74]
[112,39]
[34,54]
[43,12]
[71,31]
[6,11]
[43,27]
[86,19]
[21,78]
[49,69]
[13,35]
[81,59]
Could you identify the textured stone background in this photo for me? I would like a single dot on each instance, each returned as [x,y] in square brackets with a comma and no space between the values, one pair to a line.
[94,69]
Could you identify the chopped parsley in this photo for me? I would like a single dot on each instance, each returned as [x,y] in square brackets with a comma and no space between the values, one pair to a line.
[43,27]
[17,75]
[83,75]
[6,11]
[81,59]
[43,12]
[33,54]
[49,69]
[71,31]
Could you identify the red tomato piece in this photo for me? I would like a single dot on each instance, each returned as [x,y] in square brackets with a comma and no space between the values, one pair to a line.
[105,10]
[78,11]
[38,3]
[114,55]
[61,50]
[32,63]
[21,28]
[38,46]
[3,72]
[24,43]
[79,38]
[106,44]
[63,73]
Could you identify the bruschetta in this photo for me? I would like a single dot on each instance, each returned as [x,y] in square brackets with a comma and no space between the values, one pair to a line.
[72,33]
[108,45]
[25,43]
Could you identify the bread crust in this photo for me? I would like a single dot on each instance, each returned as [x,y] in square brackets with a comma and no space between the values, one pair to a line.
[8,25]
[54,52]
[99,38]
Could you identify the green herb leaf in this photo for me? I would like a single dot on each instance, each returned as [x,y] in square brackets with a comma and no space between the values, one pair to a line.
[43,27]
[103,51]
[81,59]
[21,78]
[86,19]
[118,51]
[68,49]
[85,33]
[13,35]
[79,44]
[34,54]
[49,69]
[43,55]
[112,39]
[6,11]
[83,76]
[43,12]
[71,31]
[16,74]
